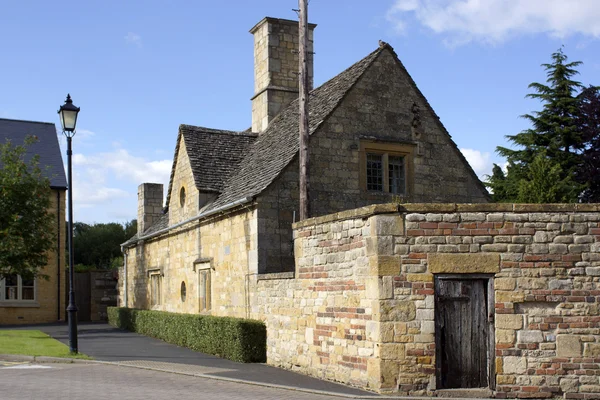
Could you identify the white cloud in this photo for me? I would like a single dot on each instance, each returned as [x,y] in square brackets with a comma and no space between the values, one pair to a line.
[495,21]
[125,166]
[479,161]
[134,39]
[105,184]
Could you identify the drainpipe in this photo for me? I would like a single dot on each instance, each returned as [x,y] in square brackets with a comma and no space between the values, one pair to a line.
[124,273]
[58,254]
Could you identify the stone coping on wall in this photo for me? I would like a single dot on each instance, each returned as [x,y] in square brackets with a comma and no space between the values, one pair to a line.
[389,208]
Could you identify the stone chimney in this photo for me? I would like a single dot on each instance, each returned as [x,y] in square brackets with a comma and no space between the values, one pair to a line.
[150,201]
[276,68]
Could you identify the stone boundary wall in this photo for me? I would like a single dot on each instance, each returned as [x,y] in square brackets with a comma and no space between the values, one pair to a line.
[321,322]
[361,309]
[546,284]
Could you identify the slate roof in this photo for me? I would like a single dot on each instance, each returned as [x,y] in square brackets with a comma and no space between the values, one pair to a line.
[213,153]
[279,143]
[46,147]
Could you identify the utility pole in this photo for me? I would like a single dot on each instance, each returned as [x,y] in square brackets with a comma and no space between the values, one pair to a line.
[304,133]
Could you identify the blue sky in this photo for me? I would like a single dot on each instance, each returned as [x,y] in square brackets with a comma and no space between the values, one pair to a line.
[138,69]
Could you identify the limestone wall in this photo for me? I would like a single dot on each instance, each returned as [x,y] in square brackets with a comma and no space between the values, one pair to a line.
[321,322]
[544,261]
[226,246]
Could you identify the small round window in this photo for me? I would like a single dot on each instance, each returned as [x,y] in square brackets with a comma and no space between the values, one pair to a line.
[182,291]
[182,197]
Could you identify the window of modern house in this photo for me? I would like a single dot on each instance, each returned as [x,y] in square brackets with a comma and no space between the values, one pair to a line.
[204,292]
[15,288]
[386,167]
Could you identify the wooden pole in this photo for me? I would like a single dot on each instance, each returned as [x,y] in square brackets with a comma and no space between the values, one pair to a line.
[304,133]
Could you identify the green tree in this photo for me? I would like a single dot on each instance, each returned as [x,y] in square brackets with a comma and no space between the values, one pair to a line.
[554,132]
[588,121]
[97,246]
[544,183]
[27,230]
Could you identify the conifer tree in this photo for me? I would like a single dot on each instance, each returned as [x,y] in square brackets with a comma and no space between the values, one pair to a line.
[554,133]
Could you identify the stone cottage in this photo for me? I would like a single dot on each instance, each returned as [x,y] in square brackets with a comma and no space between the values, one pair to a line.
[419,298]
[25,301]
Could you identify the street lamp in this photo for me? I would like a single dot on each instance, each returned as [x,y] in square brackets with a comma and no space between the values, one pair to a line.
[68,119]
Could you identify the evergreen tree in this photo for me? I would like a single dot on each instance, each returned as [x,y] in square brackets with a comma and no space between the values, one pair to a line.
[544,183]
[554,133]
[588,122]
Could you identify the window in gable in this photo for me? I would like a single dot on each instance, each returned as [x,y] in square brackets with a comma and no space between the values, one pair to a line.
[375,172]
[386,167]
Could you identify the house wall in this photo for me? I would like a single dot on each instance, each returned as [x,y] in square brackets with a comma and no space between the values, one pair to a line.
[378,108]
[545,265]
[45,309]
[227,243]
[183,178]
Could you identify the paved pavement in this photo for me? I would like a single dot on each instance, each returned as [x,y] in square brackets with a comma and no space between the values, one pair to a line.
[105,381]
[106,343]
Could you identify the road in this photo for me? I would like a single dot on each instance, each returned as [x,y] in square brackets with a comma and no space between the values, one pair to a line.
[20,381]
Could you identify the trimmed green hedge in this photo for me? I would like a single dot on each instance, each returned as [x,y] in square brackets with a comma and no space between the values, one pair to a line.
[236,339]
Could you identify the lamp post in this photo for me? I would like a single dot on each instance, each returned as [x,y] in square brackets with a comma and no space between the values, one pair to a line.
[68,119]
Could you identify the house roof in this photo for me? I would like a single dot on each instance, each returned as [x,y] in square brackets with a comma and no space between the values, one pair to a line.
[239,165]
[46,147]
[275,148]
[213,153]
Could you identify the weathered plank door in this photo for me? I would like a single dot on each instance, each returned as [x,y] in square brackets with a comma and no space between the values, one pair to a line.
[83,291]
[462,333]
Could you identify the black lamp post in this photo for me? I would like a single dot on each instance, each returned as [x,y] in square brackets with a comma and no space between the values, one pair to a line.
[68,119]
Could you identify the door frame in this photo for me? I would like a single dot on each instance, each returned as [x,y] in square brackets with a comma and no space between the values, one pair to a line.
[491,317]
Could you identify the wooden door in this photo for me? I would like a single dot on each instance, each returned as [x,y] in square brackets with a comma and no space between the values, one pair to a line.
[83,291]
[462,333]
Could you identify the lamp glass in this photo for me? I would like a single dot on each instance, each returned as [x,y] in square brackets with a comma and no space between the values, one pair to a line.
[68,119]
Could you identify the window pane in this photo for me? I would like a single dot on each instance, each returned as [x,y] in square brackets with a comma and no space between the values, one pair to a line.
[28,293]
[11,285]
[396,174]
[27,289]
[375,172]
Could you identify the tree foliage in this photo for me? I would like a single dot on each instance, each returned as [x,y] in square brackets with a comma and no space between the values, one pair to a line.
[557,154]
[98,246]
[589,122]
[27,225]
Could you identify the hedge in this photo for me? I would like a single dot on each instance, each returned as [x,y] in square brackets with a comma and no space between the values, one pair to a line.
[236,339]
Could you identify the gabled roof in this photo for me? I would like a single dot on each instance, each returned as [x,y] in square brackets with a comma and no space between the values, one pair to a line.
[46,147]
[213,153]
[275,148]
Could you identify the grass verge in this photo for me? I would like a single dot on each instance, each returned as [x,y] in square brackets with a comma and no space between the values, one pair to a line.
[34,343]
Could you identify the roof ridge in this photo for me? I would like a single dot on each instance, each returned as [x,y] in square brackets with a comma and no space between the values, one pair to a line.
[204,129]
[26,120]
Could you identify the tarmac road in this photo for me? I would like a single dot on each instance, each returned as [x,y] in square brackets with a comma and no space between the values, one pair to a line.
[20,381]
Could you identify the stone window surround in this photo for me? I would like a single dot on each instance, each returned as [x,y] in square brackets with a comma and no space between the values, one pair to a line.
[18,302]
[204,266]
[405,150]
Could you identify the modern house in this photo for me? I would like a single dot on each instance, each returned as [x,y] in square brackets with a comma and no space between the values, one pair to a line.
[36,301]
